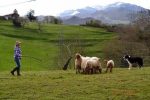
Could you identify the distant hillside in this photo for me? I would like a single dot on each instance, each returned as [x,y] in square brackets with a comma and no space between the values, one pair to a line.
[76,20]
[113,14]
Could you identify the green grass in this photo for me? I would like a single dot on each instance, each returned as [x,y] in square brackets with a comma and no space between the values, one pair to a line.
[44,44]
[122,84]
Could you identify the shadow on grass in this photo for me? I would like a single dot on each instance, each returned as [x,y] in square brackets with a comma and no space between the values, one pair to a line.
[83,42]
[80,42]
[42,32]
[21,37]
[7,25]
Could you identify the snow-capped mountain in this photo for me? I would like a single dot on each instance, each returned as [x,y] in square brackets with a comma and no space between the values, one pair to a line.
[80,12]
[115,13]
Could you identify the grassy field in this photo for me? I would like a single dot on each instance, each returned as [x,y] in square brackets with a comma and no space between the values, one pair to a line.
[44,44]
[38,82]
[122,84]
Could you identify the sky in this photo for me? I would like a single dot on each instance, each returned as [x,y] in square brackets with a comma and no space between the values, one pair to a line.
[55,7]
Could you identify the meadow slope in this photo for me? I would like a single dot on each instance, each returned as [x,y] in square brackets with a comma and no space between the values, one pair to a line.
[43,44]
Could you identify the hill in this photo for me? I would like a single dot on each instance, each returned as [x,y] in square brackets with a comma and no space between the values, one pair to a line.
[76,20]
[41,48]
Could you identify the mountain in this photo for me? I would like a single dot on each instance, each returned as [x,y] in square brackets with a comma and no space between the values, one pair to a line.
[80,12]
[116,13]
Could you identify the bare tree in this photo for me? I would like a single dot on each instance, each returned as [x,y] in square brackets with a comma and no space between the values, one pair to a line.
[67,48]
[24,21]
[119,48]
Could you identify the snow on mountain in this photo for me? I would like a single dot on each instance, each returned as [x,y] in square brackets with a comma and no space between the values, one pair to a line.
[97,7]
[84,11]
[74,13]
[117,4]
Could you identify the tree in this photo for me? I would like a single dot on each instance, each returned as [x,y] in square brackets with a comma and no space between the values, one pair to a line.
[140,19]
[94,23]
[55,20]
[31,16]
[15,18]
[23,21]
[116,49]
[142,22]
[67,47]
